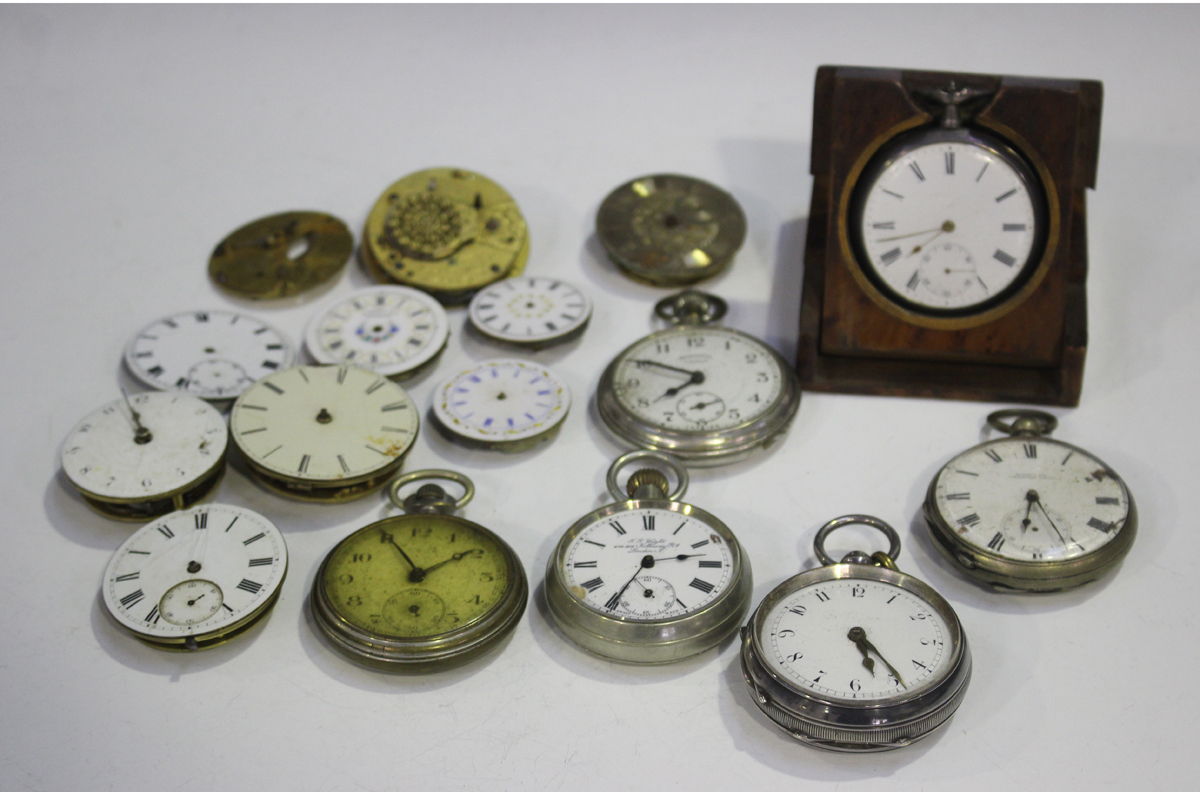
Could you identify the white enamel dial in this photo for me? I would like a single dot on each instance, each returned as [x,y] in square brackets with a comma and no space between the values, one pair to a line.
[647,565]
[210,354]
[106,457]
[1031,499]
[324,424]
[195,573]
[390,330]
[502,401]
[530,311]
[855,639]
[948,225]
[697,379]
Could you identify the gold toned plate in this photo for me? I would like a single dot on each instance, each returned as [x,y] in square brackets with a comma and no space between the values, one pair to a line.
[281,255]
[670,230]
[446,231]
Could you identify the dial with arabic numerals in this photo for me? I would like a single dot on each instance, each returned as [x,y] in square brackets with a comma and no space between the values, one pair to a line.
[143,456]
[195,578]
[211,354]
[324,432]
[948,221]
[530,312]
[391,330]
[1028,512]
[503,404]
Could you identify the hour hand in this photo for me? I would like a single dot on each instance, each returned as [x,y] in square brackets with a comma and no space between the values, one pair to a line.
[859,636]
[696,378]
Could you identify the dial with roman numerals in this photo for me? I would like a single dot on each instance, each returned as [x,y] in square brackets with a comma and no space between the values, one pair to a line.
[324,433]
[948,222]
[391,330]
[195,578]
[1029,512]
[648,579]
[530,312]
[211,354]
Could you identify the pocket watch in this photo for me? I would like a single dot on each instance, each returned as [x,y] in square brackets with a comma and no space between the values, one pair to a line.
[856,656]
[530,312]
[706,394]
[211,354]
[506,405]
[196,578]
[648,579]
[420,592]
[446,231]
[391,330]
[144,455]
[670,230]
[324,433]
[281,255]
[949,219]
[1029,513]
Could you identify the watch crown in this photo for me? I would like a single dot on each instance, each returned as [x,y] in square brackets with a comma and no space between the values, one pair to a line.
[430,498]
[647,483]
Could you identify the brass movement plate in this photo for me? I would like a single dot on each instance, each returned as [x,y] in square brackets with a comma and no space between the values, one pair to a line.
[446,231]
[281,255]
[670,230]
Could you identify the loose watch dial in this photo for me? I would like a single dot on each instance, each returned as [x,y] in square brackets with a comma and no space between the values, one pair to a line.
[648,564]
[325,427]
[391,330]
[195,577]
[950,225]
[1032,499]
[147,454]
[698,379]
[532,312]
[856,640]
[502,404]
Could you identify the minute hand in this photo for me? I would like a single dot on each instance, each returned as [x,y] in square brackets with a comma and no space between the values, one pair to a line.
[859,636]
[644,363]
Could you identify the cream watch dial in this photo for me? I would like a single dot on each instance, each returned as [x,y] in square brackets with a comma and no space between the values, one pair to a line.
[324,424]
[390,330]
[856,640]
[210,354]
[948,226]
[530,311]
[196,573]
[1031,499]
[105,457]
[697,379]
[502,401]
[648,565]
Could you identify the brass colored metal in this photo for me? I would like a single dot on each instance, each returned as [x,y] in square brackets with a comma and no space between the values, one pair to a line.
[446,231]
[670,230]
[281,256]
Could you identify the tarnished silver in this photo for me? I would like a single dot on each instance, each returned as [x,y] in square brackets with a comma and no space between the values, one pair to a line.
[447,507]
[699,447]
[840,725]
[1034,575]
[641,641]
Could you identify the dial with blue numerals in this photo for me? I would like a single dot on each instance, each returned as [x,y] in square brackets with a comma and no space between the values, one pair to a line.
[502,403]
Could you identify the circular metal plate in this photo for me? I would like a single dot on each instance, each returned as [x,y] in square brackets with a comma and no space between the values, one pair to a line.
[281,256]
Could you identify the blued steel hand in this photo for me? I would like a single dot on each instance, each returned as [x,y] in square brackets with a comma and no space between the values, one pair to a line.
[859,636]
[696,378]
[613,601]
[680,557]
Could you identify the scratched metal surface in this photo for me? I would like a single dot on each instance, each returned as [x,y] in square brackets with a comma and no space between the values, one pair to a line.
[133,139]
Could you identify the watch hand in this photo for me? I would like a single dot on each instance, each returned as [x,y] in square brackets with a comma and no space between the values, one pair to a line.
[417,574]
[942,229]
[1038,501]
[616,598]
[696,378]
[455,557]
[1030,499]
[643,363]
[680,557]
[141,434]
[859,636]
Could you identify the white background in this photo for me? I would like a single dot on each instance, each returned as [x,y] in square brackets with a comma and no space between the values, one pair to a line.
[133,139]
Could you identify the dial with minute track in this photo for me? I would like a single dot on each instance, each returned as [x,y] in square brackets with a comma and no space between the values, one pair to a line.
[1032,499]
[502,402]
[210,354]
[530,311]
[648,564]
[325,425]
[391,330]
[951,225]
[195,575]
